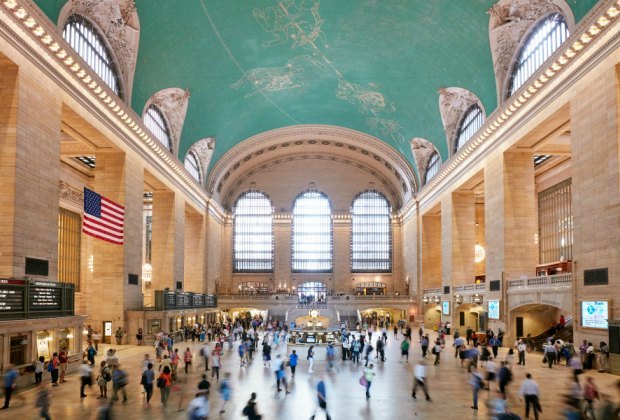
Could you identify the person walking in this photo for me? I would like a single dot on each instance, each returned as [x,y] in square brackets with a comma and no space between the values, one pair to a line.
[267,353]
[437,351]
[322,400]
[477,383]
[531,392]
[148,377]
[225,391]
[419,374]
[250,410]
[206,354]
[550,354]
[187,359]
[164,383]
[86,374]
[10,382]
[104,376]
[521,347]
[590,393]
[310,358]
[369,375]
[424,344]
[216,363]
[404,350]
[119,383]
[292,362]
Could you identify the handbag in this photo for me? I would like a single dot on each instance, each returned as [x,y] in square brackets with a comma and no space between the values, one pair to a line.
[363,381]
[161,382]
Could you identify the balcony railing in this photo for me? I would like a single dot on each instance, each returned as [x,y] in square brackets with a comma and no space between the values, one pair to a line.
[294,298]
[470,289]
[541,282]
[433,291]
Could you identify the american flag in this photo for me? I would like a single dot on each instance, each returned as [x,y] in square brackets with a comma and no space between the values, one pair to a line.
[103,218]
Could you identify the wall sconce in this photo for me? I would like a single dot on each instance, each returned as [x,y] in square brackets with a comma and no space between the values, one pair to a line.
[458,299]
[477,299]
[69,336]
[436,299]
[425,299]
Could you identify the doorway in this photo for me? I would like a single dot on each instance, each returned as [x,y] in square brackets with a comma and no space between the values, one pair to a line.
[519,323]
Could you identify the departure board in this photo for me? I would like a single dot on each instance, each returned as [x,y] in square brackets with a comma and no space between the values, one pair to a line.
[11,298]
[45,298]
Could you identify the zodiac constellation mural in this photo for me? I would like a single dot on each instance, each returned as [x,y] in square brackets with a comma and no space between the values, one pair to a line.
[299,23]
[292,21]
[272,79]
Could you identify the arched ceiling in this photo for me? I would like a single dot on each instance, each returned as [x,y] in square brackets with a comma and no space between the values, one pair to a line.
[369,65]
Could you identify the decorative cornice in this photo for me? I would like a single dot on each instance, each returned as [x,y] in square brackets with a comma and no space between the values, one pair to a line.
[71,195]
[100,97]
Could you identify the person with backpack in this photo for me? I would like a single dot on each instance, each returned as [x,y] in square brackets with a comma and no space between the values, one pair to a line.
[104,376]
[250,410]
[164,383]
[52,368]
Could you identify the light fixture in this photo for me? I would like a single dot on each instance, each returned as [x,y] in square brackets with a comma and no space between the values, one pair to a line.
[479,253]
[69,336]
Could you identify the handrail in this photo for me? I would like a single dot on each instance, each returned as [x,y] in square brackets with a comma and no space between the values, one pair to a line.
[555,280]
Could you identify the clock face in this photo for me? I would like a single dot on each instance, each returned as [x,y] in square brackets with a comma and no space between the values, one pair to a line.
[314,313]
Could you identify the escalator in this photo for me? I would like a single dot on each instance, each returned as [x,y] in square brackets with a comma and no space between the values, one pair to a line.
[564,334]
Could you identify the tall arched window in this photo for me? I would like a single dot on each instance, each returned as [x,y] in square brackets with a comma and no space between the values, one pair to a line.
[89,44]
[470,124]
[434,163]
[547,36]
[191,164]
[253,233]
[371,233]
[312,233]
[155,121]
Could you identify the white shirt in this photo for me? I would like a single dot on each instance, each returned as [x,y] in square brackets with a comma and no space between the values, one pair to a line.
[419,372]
[85,369]
[529,387]
[199,406]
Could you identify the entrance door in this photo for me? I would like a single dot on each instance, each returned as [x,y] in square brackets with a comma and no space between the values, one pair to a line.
[107,332]
[519,326]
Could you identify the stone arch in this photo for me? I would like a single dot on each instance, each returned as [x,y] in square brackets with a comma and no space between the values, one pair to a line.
[203,150]
[509,24]
[172,102]
[118,23]
[453,104]
[422,151]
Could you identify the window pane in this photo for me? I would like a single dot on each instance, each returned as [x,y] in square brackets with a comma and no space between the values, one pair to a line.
[471,123]
[434,164]
[549,34]
[154,121]
[69,247]
[253,233]
[191,164]
[555,223]
[312,233]
[89,45]
[371,234]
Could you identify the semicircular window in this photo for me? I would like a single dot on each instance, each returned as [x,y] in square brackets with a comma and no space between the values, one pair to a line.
[253,233]
[547,36]
[89,44]
[470,124]
[312,248]
[191,164]
[434,163]
[371,233]
[156,123]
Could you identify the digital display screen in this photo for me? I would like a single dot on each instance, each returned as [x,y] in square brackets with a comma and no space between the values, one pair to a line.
[445,307]
[493,309]
[594,313]
[11,299]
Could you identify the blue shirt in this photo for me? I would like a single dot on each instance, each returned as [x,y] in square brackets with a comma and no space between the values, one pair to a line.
[320,388]
[292,359]
[10,378]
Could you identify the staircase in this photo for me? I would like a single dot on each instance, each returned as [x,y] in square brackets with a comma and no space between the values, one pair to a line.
[564,334]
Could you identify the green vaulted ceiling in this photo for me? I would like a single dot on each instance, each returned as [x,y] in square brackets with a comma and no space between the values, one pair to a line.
[370,65]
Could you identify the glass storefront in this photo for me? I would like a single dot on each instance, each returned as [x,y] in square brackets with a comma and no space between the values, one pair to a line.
[44,344]
[66,340]
[153,326]
[19,346]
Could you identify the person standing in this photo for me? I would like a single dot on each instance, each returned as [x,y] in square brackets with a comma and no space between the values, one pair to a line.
[38,370]
[494,343]
[356,346]
[187,359]
[369,375]
[531,392]
[437,352]
[206,353]
[310,358]
[147,382]
[215,365]
[52,367]
[10,382]
[119,336]
[424,344]
[91,352]
[105,375]
[603,357]
[139,337]
[64,361]
[292,362]
[521,347]
[550,354]
[420,379]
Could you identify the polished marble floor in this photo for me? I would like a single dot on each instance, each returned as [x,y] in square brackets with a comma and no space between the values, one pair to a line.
[390,392]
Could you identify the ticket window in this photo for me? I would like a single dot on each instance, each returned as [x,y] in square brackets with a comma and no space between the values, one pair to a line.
[107,332]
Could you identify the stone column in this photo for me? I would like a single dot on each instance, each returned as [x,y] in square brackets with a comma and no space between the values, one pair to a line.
[30,116]
[596,193]
[431,251]
[282,229]
[219,253]
[119,178]
[195,257]
[168,239]
[458,238]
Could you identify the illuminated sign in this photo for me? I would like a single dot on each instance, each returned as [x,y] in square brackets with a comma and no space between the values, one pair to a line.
[594,313]
[493,309]
[445,307]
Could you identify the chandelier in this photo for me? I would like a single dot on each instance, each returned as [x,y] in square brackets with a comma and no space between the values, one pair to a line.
[479,253]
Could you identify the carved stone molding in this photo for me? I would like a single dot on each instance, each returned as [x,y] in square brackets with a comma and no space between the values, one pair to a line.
[71,195]
[173,103]
[453,103]
[203,150]
[509,22]
[422,151]
[119,23]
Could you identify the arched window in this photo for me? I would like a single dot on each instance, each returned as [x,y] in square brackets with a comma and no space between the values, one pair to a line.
[191,164]
[371,233]
[154,121]
[312,247]
[253,233]
[549,33]
[89,45]
[470,124]
[434,163]
[311,292]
